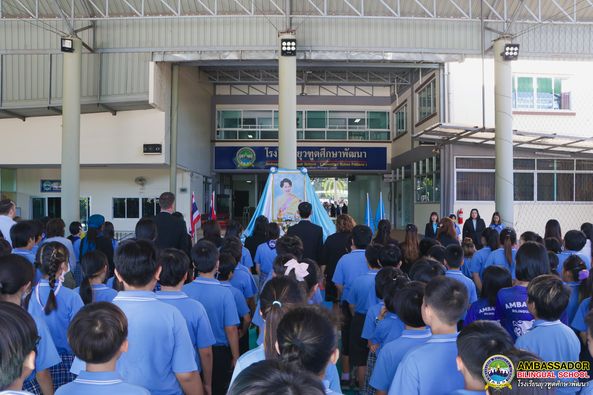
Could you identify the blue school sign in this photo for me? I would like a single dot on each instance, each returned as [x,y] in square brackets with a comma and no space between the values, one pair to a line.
[312,158]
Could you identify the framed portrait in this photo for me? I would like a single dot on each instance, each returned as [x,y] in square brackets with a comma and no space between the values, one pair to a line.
[288,192]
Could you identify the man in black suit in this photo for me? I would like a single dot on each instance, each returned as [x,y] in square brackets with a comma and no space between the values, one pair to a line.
[310,234]
[171,231]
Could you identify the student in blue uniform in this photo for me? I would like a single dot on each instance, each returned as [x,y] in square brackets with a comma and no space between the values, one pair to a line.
[235,229]
[348,268]
[453,262]
[576,277]
[175,271]
[496,222]
[475,344]
[505,255]
[574,241]
[265,254]
[94,265]
[311,281]
[23,236]
[18,341]
[422,369]
[16,276]
[98,336]
[588,321]
[55,304]
[425,269]
[495,278]
[511,303]
[222,312]
[226,269]
[390,327]
[242,279]
[547,298]
[490,242]
[415,333]
[307,338]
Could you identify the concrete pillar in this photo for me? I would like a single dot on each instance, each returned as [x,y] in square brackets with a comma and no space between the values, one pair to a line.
[503,120]
[287,135]
[70,169]
[174,123]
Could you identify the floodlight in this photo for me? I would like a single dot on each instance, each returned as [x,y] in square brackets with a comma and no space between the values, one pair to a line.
[288,47]
[511,52]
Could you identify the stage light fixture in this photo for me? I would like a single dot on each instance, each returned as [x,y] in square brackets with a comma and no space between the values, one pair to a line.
[67,44]
[511,52]
[288,47]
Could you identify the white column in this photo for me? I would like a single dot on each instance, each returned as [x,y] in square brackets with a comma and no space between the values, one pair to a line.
[503,120]
[287,135]
[174,125]
[70,169]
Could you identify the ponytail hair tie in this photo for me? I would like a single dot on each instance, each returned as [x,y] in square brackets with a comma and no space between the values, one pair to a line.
[277,303]
[300,269]
[583,274]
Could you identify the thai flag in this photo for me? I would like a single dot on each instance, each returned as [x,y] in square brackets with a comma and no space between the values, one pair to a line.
[196,217]
[212,207]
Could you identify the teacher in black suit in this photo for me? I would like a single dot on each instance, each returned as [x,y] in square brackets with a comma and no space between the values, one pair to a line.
[474,227]
[171,231]
[432,227]
[310,234]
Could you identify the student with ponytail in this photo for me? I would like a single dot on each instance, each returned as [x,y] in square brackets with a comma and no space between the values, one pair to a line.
[56,305]
[576,277]
[505,255]
[94,265]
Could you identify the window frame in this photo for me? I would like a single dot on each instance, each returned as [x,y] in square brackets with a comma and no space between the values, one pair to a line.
[138,198]
[401,109]
[534,84]
[432,84]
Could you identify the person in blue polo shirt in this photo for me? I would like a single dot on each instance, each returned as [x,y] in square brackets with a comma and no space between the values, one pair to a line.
[409,309]
[349,267]
[547,298]
[222,312]
[495,278]
[588,321]
[265,254]
[98,336]
[94,265]
[175,271]
[576,277]
[422,369]
[453,262]
[23,241]
[475,344]
[505,255]
[574,241]
[477,264]
[242,279]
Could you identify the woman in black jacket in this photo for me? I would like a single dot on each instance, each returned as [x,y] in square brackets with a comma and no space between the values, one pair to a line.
[431,228]
[334,248]
[474,227]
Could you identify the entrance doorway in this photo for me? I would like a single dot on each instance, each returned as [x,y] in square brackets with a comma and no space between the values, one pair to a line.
[240,201]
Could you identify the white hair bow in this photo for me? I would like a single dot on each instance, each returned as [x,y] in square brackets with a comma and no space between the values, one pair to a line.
[300,269]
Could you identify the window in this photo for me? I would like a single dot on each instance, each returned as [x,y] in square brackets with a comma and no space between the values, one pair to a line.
[584,187]
[150,207]
[126,208]
[378,120]
[401,120]
[427,101]
[52,207]
[523,185]
[540,93]
[475,185]
[316,120]
[427,180]
[555,187]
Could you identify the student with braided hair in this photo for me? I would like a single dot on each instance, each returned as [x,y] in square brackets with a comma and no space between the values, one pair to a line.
[56,305]
[95,267]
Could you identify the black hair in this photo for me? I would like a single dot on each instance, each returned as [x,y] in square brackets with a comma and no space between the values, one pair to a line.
[97,332]
[260,227]
[494,279]
[430,217]
[233,246]
[175,265]
[372,254]
[508,238]
[425,269]
[554,263]
[553,229]
[273,377]
[49,260]
[166,200]
[290,245]
[553,245]
[5,247]
[211,231]
[383,235]
[479,341]
[384,277]
[517,355]
[408,304]
[21,233]
[491,237]
[531,261]
[18,338]
[587,229]
[531,236]
[15,272]
[278,267]
[226,266]
[146,229]
[549,295]
[454,256]
[273,230]
[574,240]
[392,290]
[589,322]
[574,265]
[391,255]
[361,236]
[205,256]
[285,180]
[305,209]
[437,252]
[233,229]
[75,227]
[279,295]
[311,279]
[496,214]
[135,262]
[307,338]
[109,230]
[477,212]
[92,264]
[425,244]
[448,298]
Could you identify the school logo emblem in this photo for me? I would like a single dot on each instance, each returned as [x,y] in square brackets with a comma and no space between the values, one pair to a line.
[498,372]
[245,158]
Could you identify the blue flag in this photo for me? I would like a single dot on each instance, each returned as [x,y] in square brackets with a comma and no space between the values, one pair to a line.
[368,214]
[380,210]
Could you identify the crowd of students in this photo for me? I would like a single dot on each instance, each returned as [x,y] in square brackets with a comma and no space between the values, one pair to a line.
[151,314]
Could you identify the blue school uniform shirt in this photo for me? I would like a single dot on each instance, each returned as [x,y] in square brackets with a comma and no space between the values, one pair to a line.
[159,343]
[30,256]
[265,255]
[195,316]
[498,258]
[362,292]
[480,310]
[467,392]
[68,302]
[422,369]
[469,284]
[370,321]
[100,383]
[240,302]
[497,228]
[316,298]
[219,304]
[388,329]
[47,354]
[587,390]
[391,355]
[478,261]
[564,255]
[258,321]
[552,341]
[511,310]
[578,322]
[258,354]
[349,267]
[244,282]
[246,260]
[101,293]
[573,302]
